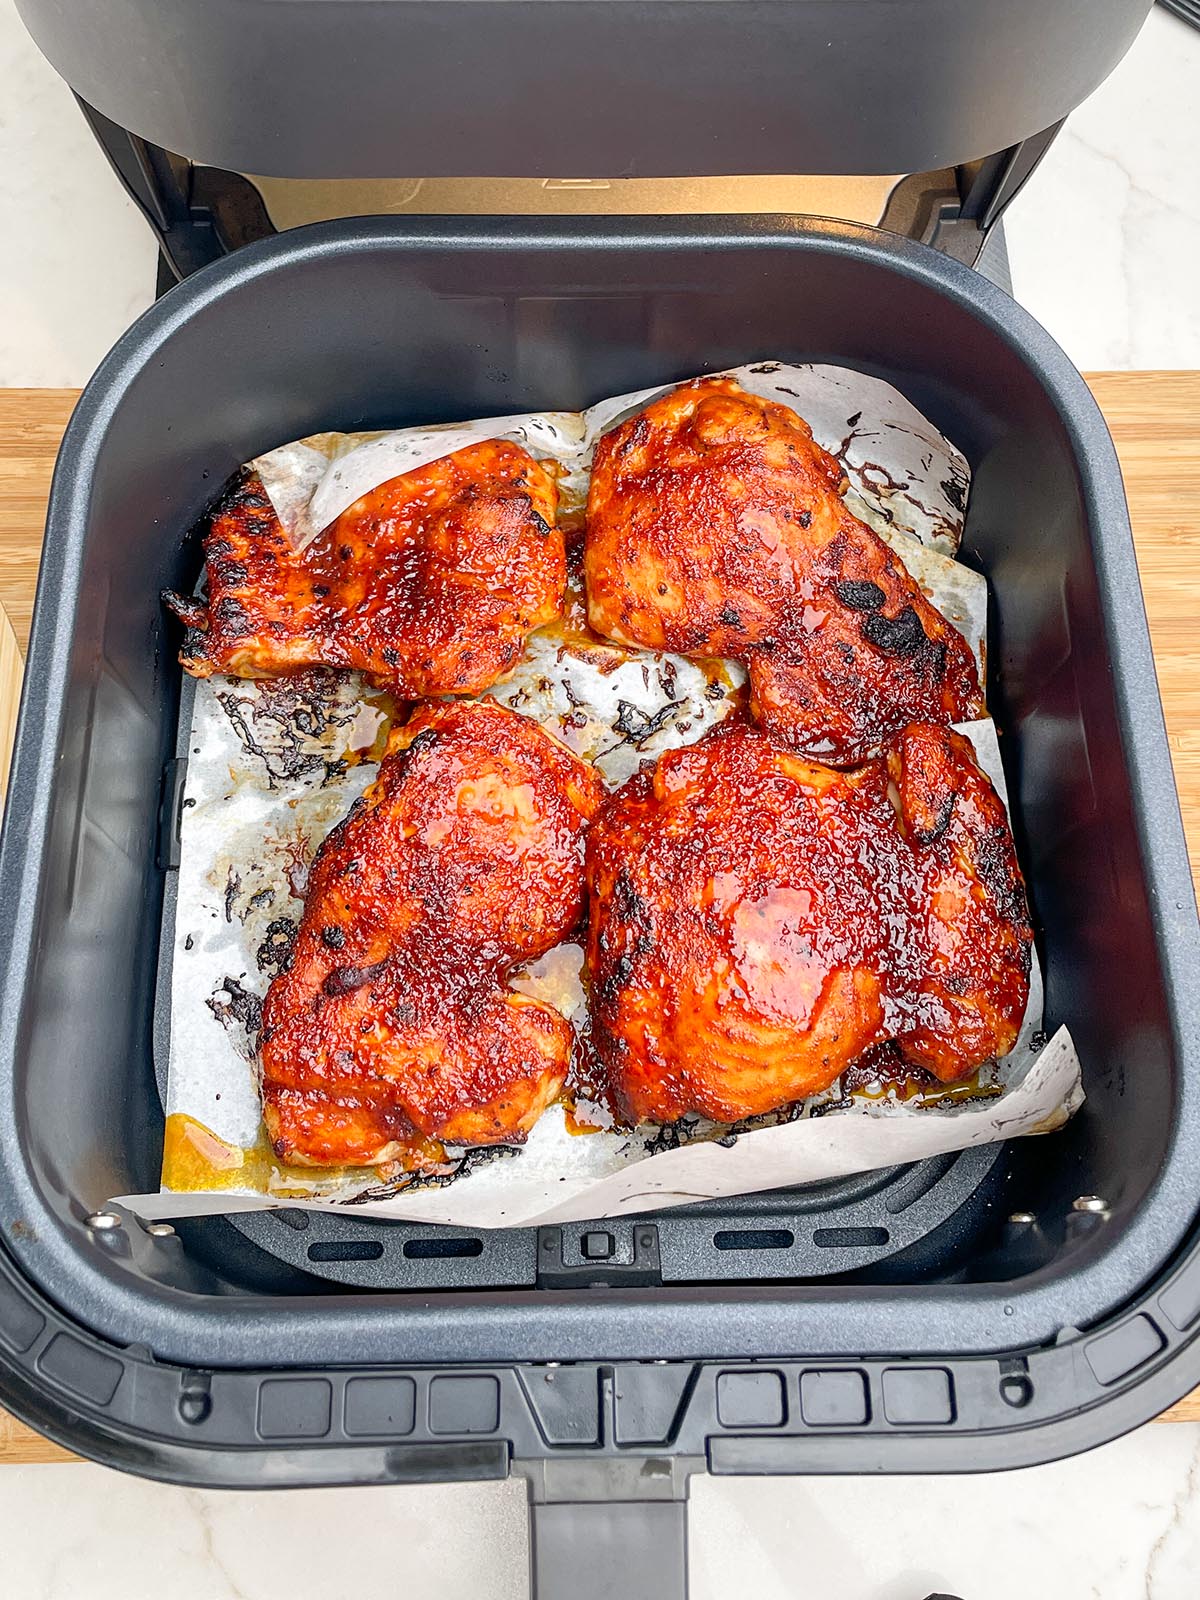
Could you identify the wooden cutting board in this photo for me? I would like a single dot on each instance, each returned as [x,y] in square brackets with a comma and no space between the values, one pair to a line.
[1155,420]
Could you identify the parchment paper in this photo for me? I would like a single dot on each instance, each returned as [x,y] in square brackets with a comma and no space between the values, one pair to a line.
[273,765]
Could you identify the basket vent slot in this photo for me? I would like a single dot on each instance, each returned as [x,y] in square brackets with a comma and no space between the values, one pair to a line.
[432,1249]
[345,1250]
[849,1238]
[755,1239]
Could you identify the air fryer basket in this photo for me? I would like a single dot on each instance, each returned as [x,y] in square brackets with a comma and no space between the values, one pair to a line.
[722,1336]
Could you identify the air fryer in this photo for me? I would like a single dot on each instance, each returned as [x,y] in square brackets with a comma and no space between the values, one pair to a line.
[993,1308]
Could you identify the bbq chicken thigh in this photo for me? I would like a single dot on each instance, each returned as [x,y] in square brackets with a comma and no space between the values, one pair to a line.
[758,922]
[716,527]
[429,584]
[463,860]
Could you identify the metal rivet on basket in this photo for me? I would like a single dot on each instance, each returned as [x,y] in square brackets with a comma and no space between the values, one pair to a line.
[160,1230]
[103,1221]
[1091,1203]
[1022,1217]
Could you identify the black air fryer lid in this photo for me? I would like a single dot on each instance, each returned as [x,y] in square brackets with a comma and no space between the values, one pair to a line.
[603,88]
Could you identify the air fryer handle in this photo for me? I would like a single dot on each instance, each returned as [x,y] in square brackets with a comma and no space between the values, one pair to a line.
[609,1550]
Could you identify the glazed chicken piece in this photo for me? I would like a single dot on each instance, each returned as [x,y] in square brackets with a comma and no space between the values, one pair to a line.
[716,527]
[758,922]
[463,860]
[428,584]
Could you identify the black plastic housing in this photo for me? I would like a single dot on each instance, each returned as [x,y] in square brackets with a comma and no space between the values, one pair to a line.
[199,1357]
[582,88]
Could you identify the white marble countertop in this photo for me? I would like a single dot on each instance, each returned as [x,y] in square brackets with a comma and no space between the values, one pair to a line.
[1105,248]
[1122,1523]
